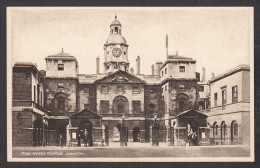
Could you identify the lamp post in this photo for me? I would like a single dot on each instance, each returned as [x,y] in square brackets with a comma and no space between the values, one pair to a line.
[155,131]
[123,132]
[44,122]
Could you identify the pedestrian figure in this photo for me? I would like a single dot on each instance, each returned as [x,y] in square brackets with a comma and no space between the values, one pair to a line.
[61,138]
[86,137]
[78,139]
[102,141]
[190,136]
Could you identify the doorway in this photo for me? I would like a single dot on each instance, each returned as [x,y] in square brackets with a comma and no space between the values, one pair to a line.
[136,134]
[85,134]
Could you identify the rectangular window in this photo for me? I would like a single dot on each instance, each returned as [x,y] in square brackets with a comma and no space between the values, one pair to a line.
[104,89]
[234,94]
[60,67]
[224,97]
[182,87]
[181,106]
[162,73]
[38,94]
[34,94]
[120,107]
[166,88]
[61,104]
[136,106]
[151,108]
[104,106]
[182,68]
[41,100]
[201,88]
[215,99]
[165,71]
[136,90]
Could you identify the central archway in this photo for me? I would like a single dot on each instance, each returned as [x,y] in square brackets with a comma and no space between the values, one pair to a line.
[120,105]
[85,134]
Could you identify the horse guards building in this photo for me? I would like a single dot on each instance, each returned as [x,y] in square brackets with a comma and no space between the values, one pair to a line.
[169,105]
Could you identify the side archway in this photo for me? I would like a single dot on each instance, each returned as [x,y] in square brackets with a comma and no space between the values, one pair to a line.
[234,132]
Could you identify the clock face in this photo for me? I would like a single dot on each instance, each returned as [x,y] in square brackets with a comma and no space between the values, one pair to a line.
[117,52]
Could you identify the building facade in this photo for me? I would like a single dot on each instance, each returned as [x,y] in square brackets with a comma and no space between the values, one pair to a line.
[172,104]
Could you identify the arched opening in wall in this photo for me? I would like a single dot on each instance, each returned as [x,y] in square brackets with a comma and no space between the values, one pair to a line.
[223,132]
[61,103]
[116,29]
[37,132]
[215,130]
[85,134]
[61,134]
[120,131]
[120,105]
[182,102]
[136,134]
[234,132]
[192,130]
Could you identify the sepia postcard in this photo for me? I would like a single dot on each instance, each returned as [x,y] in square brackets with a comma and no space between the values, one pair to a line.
[130,84]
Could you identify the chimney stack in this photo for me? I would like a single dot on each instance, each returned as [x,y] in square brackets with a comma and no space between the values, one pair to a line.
[132,71]
[97,65]
[203,74]
[138,65]
[158,67]
[213,75]
[152,69]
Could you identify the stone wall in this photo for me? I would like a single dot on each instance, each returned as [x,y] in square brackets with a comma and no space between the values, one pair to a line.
[22,84]
[113,93]
[153,95]
[170,96]
[53,86]
[87,95]
[22,133]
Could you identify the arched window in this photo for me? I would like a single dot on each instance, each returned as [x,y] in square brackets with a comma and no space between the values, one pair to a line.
[116,29]
[61,102]
[215,129]
[182,102]
[120,105]
[223,132]
[234,131]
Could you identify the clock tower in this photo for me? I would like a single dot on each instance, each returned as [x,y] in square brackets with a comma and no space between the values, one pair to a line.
[116,49]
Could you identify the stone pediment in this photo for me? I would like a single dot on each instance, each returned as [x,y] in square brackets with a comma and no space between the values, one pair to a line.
[120,77]
[192,113]
[86,113]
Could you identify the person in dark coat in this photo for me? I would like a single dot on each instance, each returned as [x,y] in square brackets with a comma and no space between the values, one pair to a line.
[61,139]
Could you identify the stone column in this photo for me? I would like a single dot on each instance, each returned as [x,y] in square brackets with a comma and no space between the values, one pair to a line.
[68,141]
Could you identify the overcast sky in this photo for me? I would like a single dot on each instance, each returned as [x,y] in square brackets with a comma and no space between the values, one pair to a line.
[218,38]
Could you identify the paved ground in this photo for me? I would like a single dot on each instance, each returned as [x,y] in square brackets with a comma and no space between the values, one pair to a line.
[132,150]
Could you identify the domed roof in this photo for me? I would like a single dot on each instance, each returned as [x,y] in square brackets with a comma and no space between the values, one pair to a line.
[115,22]
[116,39]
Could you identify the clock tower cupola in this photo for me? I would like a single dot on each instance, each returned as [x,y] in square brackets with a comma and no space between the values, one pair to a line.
[116,49]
